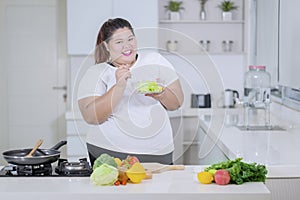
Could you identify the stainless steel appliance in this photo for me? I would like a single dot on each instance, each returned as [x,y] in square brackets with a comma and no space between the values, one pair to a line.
[230,98]
[201,101]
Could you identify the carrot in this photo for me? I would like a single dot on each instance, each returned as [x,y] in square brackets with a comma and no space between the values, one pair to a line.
[123,182]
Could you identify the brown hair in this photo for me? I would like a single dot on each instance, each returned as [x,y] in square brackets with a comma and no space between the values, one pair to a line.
[106,31]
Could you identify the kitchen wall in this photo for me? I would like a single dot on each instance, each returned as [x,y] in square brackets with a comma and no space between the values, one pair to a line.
[33,60]
[196,80]
[3,100]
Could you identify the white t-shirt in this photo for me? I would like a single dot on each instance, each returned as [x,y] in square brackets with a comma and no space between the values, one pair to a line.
[139,124]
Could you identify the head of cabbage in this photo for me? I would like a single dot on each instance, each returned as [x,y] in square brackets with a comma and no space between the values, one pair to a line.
[104,175]
[104,158]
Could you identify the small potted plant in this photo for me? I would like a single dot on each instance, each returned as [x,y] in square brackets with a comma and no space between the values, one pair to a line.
[174,7]
[227,7]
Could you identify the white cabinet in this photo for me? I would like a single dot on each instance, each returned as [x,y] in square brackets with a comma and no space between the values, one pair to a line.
[192,144]
[76,137]
[266,36]
[283,188]
[278,43]
[84,19]
[289,44]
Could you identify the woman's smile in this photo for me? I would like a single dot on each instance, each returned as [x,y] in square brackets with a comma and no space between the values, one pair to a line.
[127,53]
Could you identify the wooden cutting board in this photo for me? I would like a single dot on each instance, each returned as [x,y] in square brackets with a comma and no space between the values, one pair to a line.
[158,167]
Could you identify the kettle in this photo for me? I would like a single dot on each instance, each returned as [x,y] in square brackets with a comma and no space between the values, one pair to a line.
[230,97]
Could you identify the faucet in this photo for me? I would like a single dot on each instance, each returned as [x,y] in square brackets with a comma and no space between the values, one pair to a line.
[257,100]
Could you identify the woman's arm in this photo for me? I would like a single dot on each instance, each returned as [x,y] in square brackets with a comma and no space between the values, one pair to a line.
[172,96]
[96,109]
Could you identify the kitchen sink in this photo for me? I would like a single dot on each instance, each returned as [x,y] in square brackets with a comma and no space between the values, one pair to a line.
[261,128]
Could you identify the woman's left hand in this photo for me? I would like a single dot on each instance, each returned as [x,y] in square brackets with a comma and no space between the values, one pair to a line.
[157,96]
[171,97]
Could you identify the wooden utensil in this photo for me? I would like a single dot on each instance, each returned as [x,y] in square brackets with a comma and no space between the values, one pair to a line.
[158,167]
[37,145]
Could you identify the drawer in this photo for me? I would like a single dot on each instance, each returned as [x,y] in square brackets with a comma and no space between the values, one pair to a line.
[191,129]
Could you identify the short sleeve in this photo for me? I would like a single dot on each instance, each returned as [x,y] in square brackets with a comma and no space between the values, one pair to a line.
[91,83]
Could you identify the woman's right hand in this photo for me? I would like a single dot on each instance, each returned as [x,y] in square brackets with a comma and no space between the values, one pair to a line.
[122,74]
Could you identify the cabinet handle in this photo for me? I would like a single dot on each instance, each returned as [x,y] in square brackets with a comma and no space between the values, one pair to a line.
[59,87]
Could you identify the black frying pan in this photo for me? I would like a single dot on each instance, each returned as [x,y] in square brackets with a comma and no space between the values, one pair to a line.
[41,156]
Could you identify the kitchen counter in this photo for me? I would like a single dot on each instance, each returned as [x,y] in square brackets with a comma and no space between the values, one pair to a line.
[277,149]
[167,185]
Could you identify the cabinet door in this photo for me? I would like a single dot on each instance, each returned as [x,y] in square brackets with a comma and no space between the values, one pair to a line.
[289,43]
[267,36]
[143,16]
[84,20]
[140,13]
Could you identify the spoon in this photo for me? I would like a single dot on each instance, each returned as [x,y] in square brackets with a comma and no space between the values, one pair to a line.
[38,144]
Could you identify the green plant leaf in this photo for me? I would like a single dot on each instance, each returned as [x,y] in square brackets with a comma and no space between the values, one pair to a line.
[227,6]
[174,6]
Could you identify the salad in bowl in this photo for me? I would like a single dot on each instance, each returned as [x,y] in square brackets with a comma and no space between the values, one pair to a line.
[149,87]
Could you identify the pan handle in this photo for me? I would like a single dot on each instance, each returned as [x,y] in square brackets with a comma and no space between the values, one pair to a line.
[58,145]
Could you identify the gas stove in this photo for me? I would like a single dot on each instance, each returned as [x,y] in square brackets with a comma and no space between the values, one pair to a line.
[80,168]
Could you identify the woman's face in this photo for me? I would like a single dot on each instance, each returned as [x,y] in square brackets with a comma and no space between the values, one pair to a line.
[122,47]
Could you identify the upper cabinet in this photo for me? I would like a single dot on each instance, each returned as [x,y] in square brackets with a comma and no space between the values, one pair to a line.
[277,40]
[289,44]
[85,18]
[266,36]
[191,32]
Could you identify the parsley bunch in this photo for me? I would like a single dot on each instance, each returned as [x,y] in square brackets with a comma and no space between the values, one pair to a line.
[241,172]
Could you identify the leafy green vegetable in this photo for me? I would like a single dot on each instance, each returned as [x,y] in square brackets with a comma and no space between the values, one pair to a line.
[149,87]
[105,175]
[241,172]
[104,158]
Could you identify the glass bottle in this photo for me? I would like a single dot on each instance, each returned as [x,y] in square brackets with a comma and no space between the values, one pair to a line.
[257,88]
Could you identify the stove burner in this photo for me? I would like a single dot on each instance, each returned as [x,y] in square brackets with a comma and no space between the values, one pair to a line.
[34,170]
[81,168]
[64,168]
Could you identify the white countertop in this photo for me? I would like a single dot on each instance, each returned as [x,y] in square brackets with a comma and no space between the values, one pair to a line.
[278,150]
[167,185]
